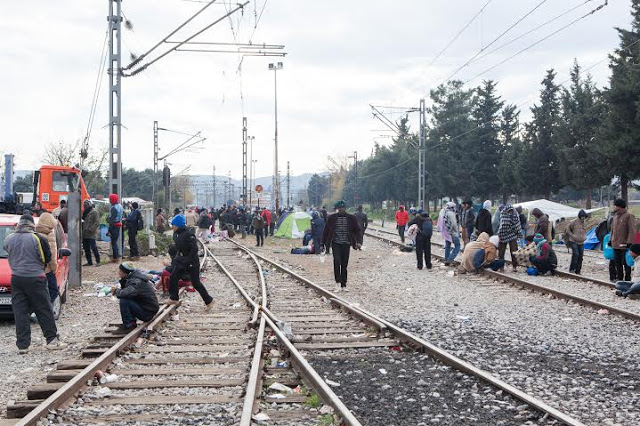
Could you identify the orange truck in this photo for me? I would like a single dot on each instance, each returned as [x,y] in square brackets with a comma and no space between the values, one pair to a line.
[51,184]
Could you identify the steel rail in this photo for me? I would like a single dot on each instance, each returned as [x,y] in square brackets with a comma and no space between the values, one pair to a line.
[75,385]
[303,367]
[538,288]
[563,274]
[430,348]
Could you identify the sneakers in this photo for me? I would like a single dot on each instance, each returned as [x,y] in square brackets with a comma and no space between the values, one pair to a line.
[56,344]
[23,351]
[208,307]
[87,264]
[173,302]
[123,329]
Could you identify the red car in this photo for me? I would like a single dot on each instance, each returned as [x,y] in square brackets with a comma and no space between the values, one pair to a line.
[8,223]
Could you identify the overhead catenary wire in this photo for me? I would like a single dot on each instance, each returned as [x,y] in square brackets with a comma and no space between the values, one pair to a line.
[433,61]
[502,34]
[520,37]
[94,99]
[575,21]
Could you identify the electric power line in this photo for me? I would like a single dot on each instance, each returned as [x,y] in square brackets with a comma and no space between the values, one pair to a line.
[459,33]
[96,90]
[495,40]
[586,15]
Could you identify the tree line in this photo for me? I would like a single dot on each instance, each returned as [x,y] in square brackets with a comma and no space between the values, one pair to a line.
[580,137]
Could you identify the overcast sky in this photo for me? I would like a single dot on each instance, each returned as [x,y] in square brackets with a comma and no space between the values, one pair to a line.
[342,56]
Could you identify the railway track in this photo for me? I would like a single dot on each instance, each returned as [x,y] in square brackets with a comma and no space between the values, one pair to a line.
[182,367]
[554,286]
[339,338]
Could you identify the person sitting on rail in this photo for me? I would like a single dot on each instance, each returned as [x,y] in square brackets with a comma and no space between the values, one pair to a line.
[481,253]
[137,296]
[546,259]
[625,288]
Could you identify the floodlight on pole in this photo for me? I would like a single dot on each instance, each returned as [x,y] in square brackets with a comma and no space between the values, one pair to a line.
[275,67]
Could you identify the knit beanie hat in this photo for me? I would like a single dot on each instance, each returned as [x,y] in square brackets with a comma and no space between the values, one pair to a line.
[179,221]
[113,198]
[26,219]
[538,238]
[620,203]
[582,214]
[635,248]
[495,240]
[340,204]
[127,267]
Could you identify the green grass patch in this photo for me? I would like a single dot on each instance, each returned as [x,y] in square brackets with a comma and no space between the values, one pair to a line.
[313,401]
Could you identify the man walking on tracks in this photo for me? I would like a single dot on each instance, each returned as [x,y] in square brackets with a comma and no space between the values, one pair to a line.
[186,262]
[341,233]
[28,255]
[576,234]
[402,218]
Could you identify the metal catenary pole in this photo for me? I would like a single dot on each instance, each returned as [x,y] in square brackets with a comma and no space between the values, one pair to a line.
[276,185]
[155,163]
[115,98]
[244,161]
[422,156]
[288,186]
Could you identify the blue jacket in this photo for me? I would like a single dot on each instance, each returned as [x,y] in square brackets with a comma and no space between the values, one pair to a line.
[317,227]
[115,214]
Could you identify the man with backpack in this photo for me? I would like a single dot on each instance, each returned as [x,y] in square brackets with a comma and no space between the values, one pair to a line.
[28,256]
[423,238]
[134,224]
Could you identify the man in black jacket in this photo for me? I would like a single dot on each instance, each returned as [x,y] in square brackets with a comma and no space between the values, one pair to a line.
[137,296]
[341,233]
[187,262]
[423,238]
[134,222]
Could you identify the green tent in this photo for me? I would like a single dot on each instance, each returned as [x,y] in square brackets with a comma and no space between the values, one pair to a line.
[293,225]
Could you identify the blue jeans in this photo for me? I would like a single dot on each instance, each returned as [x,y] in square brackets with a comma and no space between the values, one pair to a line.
[577,252]
[130,311]
[114,234]
[628,287]
[449,256]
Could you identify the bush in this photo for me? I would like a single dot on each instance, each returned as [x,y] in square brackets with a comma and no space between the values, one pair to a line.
[162,243]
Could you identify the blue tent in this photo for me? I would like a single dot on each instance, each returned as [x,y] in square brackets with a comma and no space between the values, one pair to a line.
[592,242]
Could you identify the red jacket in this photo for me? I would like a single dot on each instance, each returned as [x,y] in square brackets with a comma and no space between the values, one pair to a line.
[402,217]
[266,215]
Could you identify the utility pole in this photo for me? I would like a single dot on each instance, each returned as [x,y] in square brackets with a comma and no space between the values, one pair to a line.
[288,185]
[355,169]
[276,186]
[155,163]
[244,162]
[214,186]
[229,187]
[251,184]
[115,97]
[422,163]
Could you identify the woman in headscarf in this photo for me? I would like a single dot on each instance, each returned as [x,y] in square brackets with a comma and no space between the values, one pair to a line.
[483,220]
[546,259]
[508,232]
[448,227]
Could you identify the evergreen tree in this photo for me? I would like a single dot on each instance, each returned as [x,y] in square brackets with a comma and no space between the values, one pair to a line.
[484,146]
[317,189]
[512,153]
[623,121]
[579,136]
[541,139]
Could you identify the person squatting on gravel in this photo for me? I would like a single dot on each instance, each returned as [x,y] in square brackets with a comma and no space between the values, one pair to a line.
[467,220]
[402,218]
[576,234]
[546,259]
[623,230]
[137,296]
[448,227]
[508,233]
[186,261]
[481,253]
[29,254]
[632,286]
[115,226]
[341,233]
[90,227]
[423,238]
